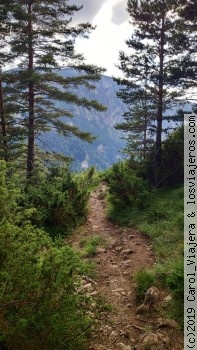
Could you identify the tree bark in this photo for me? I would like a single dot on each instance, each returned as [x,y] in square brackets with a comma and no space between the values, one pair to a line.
[31,120]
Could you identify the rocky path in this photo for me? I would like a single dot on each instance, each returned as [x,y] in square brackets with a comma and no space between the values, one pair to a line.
[123,252]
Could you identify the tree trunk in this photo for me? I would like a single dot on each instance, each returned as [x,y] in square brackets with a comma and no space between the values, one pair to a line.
[146,113]
[3,123]
[31,120]
[158,150]
[145,133]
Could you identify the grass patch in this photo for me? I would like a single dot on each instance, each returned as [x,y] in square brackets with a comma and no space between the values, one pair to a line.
[89,179]
[144,279]
[88,268]
[162,220]
[89,246]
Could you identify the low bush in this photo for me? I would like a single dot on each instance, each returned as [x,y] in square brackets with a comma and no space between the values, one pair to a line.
[9,195]
[59,202]
[40,305]
[126,187]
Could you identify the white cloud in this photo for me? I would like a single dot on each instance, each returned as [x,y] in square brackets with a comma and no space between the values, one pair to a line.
[120,14]
[105,42]
[89,10]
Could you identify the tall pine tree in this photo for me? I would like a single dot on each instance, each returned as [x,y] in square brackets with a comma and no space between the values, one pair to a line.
[43,40]
[158,42]
[140,115]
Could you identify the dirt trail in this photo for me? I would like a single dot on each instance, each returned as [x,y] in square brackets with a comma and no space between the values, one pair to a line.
[123,253]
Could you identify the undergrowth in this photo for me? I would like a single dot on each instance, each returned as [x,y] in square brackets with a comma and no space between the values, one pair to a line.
[41,307]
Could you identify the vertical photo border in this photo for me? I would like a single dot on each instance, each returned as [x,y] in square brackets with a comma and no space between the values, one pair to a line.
[190,231]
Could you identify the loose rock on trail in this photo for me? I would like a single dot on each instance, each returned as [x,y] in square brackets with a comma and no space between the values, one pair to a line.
[123,253]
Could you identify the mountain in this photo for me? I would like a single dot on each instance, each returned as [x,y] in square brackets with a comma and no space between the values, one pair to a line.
[105,150]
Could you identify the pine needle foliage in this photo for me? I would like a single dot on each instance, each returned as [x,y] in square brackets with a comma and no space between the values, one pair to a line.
[42,40]
[160,68]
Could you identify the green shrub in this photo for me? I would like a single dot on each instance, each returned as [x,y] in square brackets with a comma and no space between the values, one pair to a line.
[126,187]
[9,195]
[40,306]
[59,202]
[69,205]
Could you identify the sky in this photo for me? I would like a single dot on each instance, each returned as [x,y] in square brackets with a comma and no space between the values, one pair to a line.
[112,29]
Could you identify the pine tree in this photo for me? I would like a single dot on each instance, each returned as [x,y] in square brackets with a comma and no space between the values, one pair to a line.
[157,44]
[43,39]
[10,134]
[140,116]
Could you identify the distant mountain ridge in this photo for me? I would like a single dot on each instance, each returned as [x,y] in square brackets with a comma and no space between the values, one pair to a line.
[105,150]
